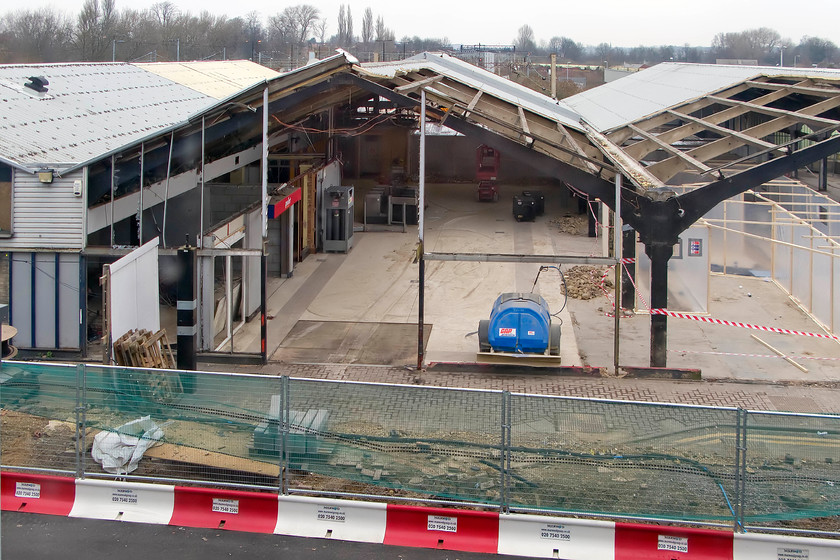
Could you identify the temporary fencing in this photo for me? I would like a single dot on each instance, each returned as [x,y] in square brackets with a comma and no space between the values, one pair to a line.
[498,450]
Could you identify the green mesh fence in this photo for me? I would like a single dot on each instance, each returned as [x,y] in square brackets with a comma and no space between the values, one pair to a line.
[792,467]
[39,416]
[511,451]
[633,459]
[425,442]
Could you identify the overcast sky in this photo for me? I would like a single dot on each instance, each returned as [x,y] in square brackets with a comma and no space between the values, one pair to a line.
[625,23]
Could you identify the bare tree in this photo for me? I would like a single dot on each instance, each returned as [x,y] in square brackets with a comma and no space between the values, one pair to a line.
[282,28]
[321,30]
[43,35]
[254,33]
[349,26]
[756,44]
[382,33]
[342,26]
[96,28]
[603,52]
[165,12]
[525,39]
[367,26]
[815,50]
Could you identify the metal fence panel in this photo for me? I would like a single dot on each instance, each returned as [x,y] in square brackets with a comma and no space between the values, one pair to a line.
[208,421]
[507,451]
[622,458]
[792,467]
[39,416]
[420,442]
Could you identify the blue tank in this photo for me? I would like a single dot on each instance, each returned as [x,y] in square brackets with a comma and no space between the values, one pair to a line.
[519,323]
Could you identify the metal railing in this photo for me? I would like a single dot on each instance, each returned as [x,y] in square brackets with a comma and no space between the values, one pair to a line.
[495,449]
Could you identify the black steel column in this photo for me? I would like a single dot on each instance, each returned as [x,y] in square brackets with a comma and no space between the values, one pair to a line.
[659,254]
[628,270]
[187,330]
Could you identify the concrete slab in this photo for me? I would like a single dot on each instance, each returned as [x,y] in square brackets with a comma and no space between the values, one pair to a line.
[376,284]
[342,342]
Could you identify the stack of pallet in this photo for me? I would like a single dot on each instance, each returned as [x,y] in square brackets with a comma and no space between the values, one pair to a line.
[144,349]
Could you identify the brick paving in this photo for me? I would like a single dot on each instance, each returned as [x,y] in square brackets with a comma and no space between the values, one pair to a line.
[790,397]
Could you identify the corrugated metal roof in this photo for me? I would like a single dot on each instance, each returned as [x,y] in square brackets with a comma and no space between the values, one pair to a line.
[665,85]
[218,79]
[478,78]
[88,110]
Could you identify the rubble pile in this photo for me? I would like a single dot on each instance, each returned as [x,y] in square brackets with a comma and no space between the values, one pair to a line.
[584,282]
[571,224]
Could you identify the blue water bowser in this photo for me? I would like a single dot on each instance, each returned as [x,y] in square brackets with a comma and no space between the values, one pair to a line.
[519,323]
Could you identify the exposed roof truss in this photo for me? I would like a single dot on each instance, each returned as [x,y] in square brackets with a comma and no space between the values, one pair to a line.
[750,122]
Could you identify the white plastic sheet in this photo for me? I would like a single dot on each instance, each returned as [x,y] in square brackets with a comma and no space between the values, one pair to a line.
[119,452]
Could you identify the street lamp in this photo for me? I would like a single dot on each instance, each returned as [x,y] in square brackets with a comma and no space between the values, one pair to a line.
[781,56]
[795,59]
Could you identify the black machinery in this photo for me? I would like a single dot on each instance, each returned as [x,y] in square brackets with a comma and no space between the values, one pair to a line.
[338,219]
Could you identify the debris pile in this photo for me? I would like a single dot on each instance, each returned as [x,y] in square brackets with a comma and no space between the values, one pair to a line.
[571,224]
[584,282]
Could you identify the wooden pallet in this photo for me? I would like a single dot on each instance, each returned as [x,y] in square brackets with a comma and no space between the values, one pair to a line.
[144,349]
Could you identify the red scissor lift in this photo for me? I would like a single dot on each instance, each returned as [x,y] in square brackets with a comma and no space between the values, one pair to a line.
[486,171]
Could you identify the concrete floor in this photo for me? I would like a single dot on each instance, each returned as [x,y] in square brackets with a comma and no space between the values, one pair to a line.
[376,285]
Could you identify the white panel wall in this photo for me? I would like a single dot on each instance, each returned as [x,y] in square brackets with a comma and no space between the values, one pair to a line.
[135,291]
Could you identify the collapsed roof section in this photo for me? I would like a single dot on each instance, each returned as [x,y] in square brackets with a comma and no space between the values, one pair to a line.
[720,120]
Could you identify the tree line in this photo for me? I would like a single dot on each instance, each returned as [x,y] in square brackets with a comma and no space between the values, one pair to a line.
[763,45]
[103,32]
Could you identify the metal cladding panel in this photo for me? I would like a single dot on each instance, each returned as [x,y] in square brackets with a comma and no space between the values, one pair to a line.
[45,300]
[665,85]
[20,299]
[218,79]
[88,110]
[46,215]
[479,78]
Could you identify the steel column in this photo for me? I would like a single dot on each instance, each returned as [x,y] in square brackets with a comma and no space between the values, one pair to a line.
[186,315]
[659,254]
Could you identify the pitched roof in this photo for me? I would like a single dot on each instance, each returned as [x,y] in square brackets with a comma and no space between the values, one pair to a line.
[90,109]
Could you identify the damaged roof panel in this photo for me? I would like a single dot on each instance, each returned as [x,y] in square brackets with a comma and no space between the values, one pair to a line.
[480,79]
[666,85]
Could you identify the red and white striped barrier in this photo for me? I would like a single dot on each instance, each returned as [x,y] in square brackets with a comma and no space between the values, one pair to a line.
[739,324]
[224,509]
[653,542]
[37,494]
[539,536]
[336,519]
[124,501]
[450,529]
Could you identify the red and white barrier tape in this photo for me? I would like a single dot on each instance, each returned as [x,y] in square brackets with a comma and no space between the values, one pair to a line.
[754,355]
[739,324]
